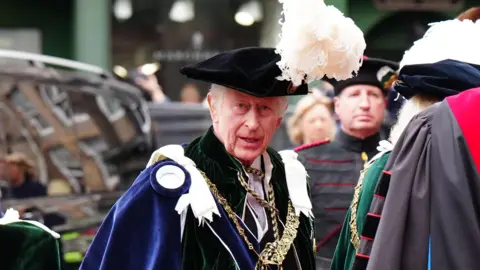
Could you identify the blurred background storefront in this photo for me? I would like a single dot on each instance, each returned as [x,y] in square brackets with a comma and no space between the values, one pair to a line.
[166,34]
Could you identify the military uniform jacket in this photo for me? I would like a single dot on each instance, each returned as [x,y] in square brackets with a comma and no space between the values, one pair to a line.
[334,168]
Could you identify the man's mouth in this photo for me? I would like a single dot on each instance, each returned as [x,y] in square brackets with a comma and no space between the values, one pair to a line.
[364,116]
[250,140]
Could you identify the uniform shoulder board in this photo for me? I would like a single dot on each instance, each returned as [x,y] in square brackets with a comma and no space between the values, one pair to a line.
[310,145]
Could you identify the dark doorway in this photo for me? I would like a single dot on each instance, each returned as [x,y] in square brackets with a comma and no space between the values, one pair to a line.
[393,35]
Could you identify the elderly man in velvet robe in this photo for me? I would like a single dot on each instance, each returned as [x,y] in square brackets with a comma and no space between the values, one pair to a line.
[225,200]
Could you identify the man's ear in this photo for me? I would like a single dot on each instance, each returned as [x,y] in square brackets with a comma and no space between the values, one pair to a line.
[211,105]
[336,104]
[279,123]
[386,102]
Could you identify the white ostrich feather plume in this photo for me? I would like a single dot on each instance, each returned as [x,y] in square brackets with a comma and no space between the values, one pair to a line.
[451,39]
[317,41]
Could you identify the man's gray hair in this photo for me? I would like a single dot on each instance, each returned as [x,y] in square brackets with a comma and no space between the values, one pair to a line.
[410,108]
[218,91]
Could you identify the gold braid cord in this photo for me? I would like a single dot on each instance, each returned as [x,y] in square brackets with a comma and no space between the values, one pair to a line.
[274,253]
[269,205]
[355,239]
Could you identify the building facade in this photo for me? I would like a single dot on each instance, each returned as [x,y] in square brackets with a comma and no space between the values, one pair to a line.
[129,33]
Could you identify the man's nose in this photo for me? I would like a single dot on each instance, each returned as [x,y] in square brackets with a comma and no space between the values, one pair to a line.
[251,120]
[364,102]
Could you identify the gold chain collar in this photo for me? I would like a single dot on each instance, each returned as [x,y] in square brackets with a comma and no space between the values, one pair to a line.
[255,171]
[274,253]
[270,205]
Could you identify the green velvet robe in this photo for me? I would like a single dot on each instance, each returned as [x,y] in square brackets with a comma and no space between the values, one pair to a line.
[24,246]
[201,250]
[345,251]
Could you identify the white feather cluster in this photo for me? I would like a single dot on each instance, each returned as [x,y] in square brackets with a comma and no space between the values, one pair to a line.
[316,41]
[452,39]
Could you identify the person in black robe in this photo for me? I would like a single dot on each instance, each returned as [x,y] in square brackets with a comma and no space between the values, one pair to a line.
[462,76]
[429,218]
[334,166]
[420,74]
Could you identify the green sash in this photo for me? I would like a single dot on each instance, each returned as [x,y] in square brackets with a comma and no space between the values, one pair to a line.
[345,250]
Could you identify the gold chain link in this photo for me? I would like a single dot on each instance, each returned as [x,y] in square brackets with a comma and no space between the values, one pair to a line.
[269,205]
[231,214]
[274,253]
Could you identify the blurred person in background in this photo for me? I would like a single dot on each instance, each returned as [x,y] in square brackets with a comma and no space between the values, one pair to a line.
[3,181]
[312,120]
[3,172]
[21,178]
[149,85]
[334,166]
[190,94]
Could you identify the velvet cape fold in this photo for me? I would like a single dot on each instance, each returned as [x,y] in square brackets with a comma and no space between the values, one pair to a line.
[433,191]
[26,246]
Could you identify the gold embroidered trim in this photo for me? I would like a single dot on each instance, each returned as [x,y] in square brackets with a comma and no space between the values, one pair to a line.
[274,253]
[355,238]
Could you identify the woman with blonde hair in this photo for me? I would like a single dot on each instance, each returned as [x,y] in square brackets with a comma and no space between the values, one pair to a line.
[312,120]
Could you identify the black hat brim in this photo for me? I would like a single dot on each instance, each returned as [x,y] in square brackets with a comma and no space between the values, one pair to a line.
[251,70]
[368,74]
[441,79]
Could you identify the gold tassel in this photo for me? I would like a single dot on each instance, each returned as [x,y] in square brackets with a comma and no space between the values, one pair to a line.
[364,156]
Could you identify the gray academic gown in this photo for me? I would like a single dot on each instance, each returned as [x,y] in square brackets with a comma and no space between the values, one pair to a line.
[433,192]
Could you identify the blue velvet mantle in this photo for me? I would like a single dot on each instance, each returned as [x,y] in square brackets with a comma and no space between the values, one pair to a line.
[143,230]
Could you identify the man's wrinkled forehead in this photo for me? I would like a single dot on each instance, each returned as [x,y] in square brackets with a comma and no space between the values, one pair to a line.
[361,87]
[234,95]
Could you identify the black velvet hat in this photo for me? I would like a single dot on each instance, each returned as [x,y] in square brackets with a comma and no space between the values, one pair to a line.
[372,72]
[251,70]
[441,79]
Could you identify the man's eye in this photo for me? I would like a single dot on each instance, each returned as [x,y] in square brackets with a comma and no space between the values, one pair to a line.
[241,107]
